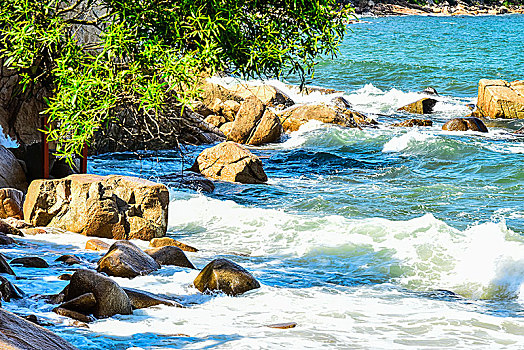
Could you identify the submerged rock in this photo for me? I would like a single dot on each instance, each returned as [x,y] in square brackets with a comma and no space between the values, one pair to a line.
[500,99]
[465,124]
[117,207]
[170,255]
[31,261]
[226,276]
[413,122]
[141,299]
[17,333]
[167,241]
[188,179]
[124,259]
[229,161]
[422,106]
[110,298]
[11,203]
[6,240]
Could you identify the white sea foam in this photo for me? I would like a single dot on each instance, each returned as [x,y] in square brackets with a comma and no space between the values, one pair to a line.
[409,139]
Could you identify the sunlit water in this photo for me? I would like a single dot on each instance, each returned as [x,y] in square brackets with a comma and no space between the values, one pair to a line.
[375,239]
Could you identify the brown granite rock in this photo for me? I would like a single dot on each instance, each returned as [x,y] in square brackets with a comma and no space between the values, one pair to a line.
[422,106]
[501,99]
[229,161]
[8,229]
[141,299]
[216,120]
[246,120]
[226,128]
[11,203]
[413,122]
[74,315]
[167,241]
[97,244]
[69,259]
[85,303]
[292,119]
[118,207]
[226,276]
[124,259]
[465,124]
[229,109]
[170,255]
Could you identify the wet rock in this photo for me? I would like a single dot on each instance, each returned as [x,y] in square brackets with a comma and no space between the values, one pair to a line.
[4,266]
[11,173]
[8,290]
[84,303]
[30,261]
[8,229]
[501,99]
[413,122]
[254,124]
[65,277]
[341,102]
[16,223]
[69,259]
[35,320]
[20,334]
[110,298]
[167,241]
[117,207]
[226,276]
[124,259]
[189,180]
[141,299]
[11,203]
[465,124]
[422,106]
[74,315]
[519,131]
[229,161]
[430,91]
[5,240]
[308,90]
[97,245]
[170,255]
[285,325]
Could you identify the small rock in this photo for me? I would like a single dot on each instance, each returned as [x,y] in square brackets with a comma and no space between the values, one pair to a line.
[230,109]
[6,240]
[8,290]
[465,124]
[11,203]
[65,277]
[167,241]
[188,179]
[97,244]
[9,230]
[413,122]
[16,223]
[74,315]
[69,259]
[32,231]
[30,261]
[285,325]
[422,106]
[430,91]
[124,259]
[519,131]
[226,128]
[4,266]
[141,299]
[226,276]
[79,324]
[341,102]
[170,255]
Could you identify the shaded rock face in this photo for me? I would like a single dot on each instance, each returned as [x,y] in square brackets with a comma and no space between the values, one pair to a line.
[5,267]
[226,276]
[11,203]
[422,106]
[21,334]
[8,290]
[465,124]
[124,259]
[170,255]
[140,299]
[500,99]
[74,315]
[189,180]
[413,122]
[30,261]
[167,241]
[229,161]
[69,259]
[110,298]
[11,172]
[118,207]
[293,118]
[7,228]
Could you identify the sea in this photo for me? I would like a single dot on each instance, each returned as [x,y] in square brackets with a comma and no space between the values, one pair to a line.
[380,238]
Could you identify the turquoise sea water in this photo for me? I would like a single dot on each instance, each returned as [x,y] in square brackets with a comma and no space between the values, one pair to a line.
[384,238]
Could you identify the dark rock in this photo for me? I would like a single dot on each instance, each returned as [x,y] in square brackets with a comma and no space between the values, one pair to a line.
[170,255]
[6,240]
[9,291]
[422,106]
[65,277]
[11,203]
[341,102]
[84,303]
[69,259]
[19,334]
[9,230]
[465,124]
[17,223]
[74,315]
[110,298]
[226,276]
[167,241]
[124,259]
[97,244]
[413,122]
[30,261]
[4,266]
[519,131]
[430,91]
[141,299]
[188,180]
[35,320]
[11,173]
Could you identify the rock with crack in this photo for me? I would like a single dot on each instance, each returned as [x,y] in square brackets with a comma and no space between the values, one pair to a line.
[501,99]
[117,207]
[229,161]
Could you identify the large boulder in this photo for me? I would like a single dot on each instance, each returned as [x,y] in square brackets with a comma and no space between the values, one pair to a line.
[11,203]
[293,118]
[422,106]
[117,207]
[17,333]
[254,124]
[124,259]
[465,124]
[11,172]
[170,255]
[226,276]
[30,261]
[500,99]
[110,298]
[229,161]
